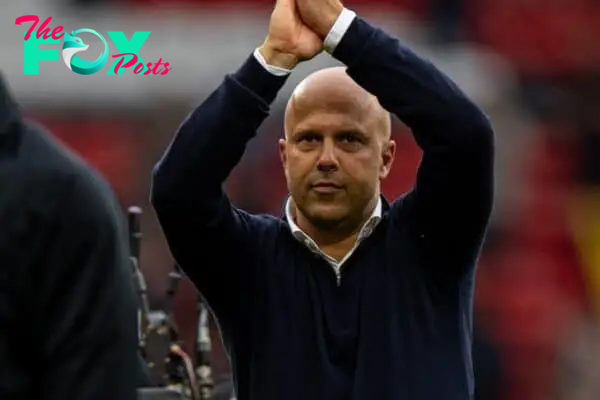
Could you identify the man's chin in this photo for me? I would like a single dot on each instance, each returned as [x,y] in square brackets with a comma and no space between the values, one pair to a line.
[327,216]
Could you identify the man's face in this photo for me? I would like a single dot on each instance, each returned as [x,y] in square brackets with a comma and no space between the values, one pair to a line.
[335,153]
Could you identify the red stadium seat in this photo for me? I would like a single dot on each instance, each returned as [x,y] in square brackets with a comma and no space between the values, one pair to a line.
[547,37]
[107,144]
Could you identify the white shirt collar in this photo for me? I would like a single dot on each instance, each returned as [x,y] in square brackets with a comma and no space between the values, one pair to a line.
[301,236]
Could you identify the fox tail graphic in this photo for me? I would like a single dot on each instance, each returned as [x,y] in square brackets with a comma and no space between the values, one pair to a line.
[84,67]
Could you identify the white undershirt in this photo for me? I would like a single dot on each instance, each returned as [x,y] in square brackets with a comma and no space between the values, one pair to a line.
[366,230]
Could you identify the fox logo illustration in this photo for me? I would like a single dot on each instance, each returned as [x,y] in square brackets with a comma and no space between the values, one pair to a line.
[73,44]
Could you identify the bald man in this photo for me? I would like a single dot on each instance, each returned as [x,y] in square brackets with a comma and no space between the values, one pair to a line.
[346,296]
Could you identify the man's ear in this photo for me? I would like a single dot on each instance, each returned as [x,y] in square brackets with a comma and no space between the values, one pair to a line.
[282,152]
[387,157]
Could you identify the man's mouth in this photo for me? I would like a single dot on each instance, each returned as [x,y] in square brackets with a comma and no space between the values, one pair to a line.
[326,187]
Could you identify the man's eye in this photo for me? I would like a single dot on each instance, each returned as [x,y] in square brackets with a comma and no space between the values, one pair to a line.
[350,138]
[309,138]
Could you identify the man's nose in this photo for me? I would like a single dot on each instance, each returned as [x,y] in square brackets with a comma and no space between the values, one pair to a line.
[327,159]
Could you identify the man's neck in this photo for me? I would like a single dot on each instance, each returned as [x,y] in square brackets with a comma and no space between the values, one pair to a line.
[335,242]
[328,237]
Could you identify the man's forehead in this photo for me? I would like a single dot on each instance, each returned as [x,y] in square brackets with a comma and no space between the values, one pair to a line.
[308,100]
[335,113]
[328,114]
[329,83]
[330,103]
[332,92]
[329,120]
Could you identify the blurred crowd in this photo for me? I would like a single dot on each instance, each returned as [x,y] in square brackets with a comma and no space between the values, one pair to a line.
[538,290]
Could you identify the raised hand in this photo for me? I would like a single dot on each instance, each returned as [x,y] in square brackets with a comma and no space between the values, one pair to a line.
[319,15]
[289,40]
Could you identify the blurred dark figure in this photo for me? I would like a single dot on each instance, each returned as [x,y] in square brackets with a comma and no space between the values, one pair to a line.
[67,303]
[487,366]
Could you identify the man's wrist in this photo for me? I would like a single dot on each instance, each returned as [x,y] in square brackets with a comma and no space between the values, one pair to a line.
[258,80]
[275,61]
[355,42]
[338,30]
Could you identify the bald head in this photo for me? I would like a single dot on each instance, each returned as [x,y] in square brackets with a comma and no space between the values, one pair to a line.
[336,151]
[332,90]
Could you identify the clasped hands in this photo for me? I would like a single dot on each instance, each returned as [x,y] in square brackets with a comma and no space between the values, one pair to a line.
[297,29]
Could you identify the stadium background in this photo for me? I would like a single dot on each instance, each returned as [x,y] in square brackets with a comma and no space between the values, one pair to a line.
[533,65]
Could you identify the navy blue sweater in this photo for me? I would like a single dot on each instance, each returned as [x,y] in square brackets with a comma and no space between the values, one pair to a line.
[399,324]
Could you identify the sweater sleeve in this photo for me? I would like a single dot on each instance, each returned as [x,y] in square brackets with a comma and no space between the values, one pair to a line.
[449,208]
[214,242]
